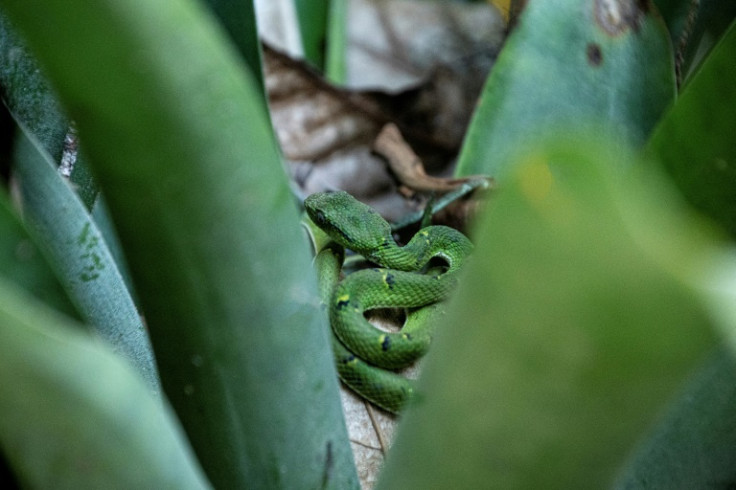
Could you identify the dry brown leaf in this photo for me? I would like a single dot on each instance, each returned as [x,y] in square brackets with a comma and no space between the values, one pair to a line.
[329,130]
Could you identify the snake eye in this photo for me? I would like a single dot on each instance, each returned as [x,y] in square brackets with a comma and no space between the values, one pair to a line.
[319,218]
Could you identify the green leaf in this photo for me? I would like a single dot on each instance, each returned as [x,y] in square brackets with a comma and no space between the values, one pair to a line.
[72,415]
[567,64]
[337,40]
[27,94]
[695,140]
[239,20]
[577,318]
[33,105]
[60,223]
[323,29]
[312,16]
[83,182]
[180,141]
[694,444]
[101,216]
[695,27]
[22,262]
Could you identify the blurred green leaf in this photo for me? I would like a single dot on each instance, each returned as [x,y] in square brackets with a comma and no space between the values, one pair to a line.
[577,318]
[323,29]
[695,140]
[694,444]
[72,415]
[695,27]
[239,20]
[78,253]
[22,262]
[180,141]
[568,64]
[312,16]
[337,40]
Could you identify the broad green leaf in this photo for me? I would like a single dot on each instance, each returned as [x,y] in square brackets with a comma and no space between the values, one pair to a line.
[694,444]
[60,223]
[578,317]
[22,262]
[695,140]
[570,63]
[179,139]
[73,415]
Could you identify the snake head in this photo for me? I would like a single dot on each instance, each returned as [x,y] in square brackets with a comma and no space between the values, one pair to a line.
[349,222]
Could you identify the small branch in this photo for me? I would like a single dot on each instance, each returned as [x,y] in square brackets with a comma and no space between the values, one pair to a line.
[408,167]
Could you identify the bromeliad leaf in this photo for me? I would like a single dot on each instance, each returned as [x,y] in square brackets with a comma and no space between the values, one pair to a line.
[570,63]
[69,237]
[64,397]
[695,142]
[581,316]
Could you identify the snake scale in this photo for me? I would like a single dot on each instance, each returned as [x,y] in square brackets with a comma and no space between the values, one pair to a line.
[367,357]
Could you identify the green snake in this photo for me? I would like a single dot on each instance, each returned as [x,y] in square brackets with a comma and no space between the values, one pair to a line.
[366,356]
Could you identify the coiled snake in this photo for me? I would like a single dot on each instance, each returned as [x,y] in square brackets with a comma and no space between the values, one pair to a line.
[366,356]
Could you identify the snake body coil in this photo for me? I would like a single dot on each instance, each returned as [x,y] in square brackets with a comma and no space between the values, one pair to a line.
[366,355]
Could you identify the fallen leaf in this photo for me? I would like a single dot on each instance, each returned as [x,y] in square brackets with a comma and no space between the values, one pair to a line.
[326,132]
